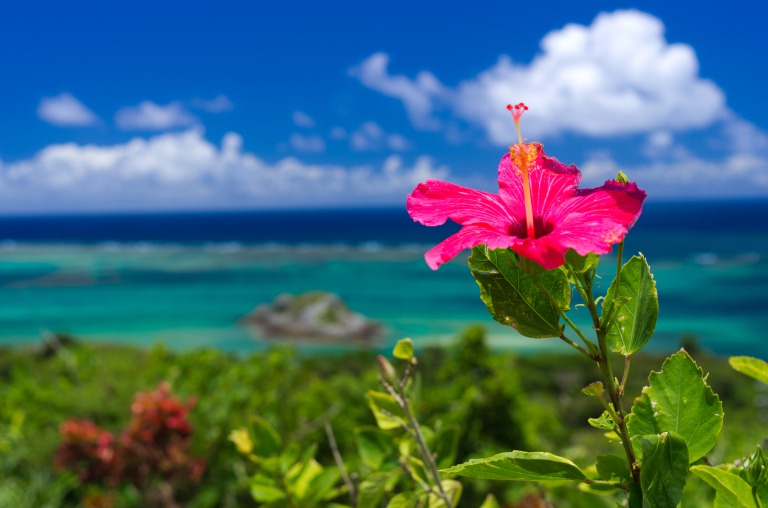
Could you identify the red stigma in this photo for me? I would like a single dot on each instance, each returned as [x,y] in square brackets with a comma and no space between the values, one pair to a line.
[517,110]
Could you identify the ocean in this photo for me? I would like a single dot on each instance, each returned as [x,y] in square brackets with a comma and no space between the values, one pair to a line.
[186,279]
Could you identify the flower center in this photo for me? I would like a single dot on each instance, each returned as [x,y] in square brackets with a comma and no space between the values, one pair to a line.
[524,156]
[540,228]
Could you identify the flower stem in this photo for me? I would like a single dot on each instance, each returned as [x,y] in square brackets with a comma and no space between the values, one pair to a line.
[625,375]
[613,391]
[397,391]
[576,346]
[608,313]
[340,464]
[591,345]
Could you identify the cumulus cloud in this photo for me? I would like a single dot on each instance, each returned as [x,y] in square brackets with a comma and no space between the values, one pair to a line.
[741,136]
[338,133]
[616,76]
[219,104]
[308,143]
[301,119]
[64,110]
[371,137]
[149,116]
[736,175]
[418,95]
[181,170]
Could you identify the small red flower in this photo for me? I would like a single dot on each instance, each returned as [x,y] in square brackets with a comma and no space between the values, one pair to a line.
[538,212]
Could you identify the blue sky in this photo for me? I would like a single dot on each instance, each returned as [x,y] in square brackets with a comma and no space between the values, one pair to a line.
[133,106]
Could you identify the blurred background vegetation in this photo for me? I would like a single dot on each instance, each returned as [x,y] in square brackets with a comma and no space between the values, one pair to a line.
[500,401]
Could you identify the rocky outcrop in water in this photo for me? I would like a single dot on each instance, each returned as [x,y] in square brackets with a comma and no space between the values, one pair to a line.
[317,315]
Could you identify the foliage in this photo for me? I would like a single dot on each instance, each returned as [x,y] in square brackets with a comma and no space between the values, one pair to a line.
[676,420]
[151,453]
[496,400]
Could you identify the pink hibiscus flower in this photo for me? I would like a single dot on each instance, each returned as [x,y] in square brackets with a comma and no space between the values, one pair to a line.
[538,212]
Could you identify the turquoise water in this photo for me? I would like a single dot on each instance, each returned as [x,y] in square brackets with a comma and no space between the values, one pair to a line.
[190,296]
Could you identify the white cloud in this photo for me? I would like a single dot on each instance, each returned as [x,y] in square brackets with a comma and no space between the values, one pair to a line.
[685,176]
[417,95]
[742,136]
[617,76]
[154,117]
[218,104]
[64,110]
[398,143]
[371,137]
[309,143]
[338,133]
[181,170]
[301,119]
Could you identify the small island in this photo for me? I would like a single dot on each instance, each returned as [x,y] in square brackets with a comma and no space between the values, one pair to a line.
[316,315]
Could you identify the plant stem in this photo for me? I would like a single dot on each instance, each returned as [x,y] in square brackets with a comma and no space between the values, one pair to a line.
[625,375]
[398,393]
[587,342]
[619,256]
[584,287]
[340,464]
[429,459]
[613,391]
[608,313]
[577,347]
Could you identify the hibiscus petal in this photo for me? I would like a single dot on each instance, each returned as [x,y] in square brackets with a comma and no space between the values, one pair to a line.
[466,238]
[434,202]
[546,251]
[594,219]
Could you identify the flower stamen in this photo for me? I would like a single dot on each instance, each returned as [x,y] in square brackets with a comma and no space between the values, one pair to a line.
[523,155]
[517,111]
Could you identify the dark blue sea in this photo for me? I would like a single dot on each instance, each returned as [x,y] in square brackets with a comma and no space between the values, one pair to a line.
[185,279]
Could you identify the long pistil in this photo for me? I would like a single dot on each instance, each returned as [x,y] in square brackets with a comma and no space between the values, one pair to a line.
[522,159]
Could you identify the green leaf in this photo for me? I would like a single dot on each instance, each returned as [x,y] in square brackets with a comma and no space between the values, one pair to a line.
[371,490]
[322,487]
[594,389]
[404,349]
[417,469]
[490,502]
[581,264]
[603,422]
[266,441]
[762,494]
[300,477]
[635,320]
[665,468]
[403,500]
[680,401]
[526,466]
[512,297]
[265,490]
[445,445]
[452,489]
[387,412]
[731,491]
[752,367]
[613,468]
[374,446]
